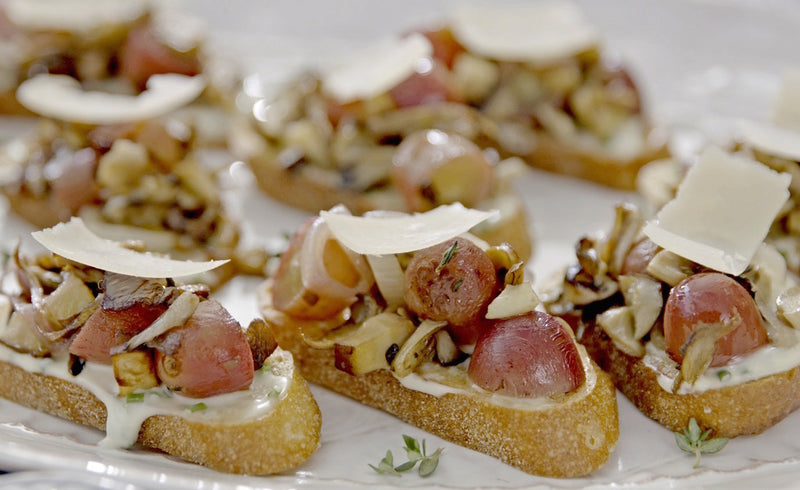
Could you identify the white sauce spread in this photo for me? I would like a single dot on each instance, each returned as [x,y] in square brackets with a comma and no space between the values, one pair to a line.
[437,380]
[270,385]
[765,361]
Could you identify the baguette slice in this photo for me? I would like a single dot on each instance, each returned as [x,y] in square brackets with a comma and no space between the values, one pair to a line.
[744,409]
[308,191]
[281,439]
[572,439]
[602,168]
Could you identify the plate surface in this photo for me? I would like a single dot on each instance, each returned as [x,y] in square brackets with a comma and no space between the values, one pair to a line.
[703,65]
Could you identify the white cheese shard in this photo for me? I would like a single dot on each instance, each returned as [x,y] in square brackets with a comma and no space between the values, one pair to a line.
[77,16]
[786,108]
[377,69]
[61,97]
[722,211]
[771,139]
[74,241]
[538,33]
[400,233]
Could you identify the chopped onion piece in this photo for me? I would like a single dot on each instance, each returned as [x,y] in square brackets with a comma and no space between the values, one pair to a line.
[74,241]
[403,233]
[389,276]
[330,270]
[61,97]
[176,315]
[512,301]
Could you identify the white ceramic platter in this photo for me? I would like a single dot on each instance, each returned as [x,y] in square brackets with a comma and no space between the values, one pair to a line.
[703,64]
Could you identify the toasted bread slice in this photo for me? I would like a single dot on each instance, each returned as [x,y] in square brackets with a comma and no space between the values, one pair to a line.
[570,436]
[281,439]
[602,168]
[748,408]
[309,191]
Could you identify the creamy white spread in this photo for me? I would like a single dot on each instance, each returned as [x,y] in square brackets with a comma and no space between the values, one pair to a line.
[125,417]
[765,361]
[437,380]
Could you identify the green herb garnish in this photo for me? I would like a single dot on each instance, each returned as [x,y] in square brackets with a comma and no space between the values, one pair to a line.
[386,466]
[457,284]
[416,454]
[274,393]
[197,407]
[694,441]
[447,256]
[723,374]
[134,398]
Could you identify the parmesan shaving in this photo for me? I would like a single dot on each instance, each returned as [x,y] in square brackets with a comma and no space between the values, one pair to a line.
[403,233]
[772,140]
[74,241]
[722,211]
[78,16]
[378,69]
[61,97]
[540,33]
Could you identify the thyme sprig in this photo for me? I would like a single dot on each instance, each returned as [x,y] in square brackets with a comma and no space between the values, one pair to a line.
[416,453]
[695,441]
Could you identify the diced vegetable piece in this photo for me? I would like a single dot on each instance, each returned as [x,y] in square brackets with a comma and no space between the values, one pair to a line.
[18,332]
[122,166]
[134,371]
[365,349]
[512,301]
[69,298]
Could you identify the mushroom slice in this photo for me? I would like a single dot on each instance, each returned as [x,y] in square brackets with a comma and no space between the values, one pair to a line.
[627,223]
[669,267]
[618,323]
[643,294]
[418,348]
[700,347]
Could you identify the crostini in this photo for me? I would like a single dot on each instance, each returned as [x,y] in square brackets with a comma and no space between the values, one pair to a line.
[409,314]
[550,92]
[691,313]
[109,46]
[98,333]
[126,167]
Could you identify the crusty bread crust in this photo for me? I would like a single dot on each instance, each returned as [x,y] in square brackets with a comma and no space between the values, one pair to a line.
[296,189]
[748,408]
[277,442]
[575,161]
[572,440]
